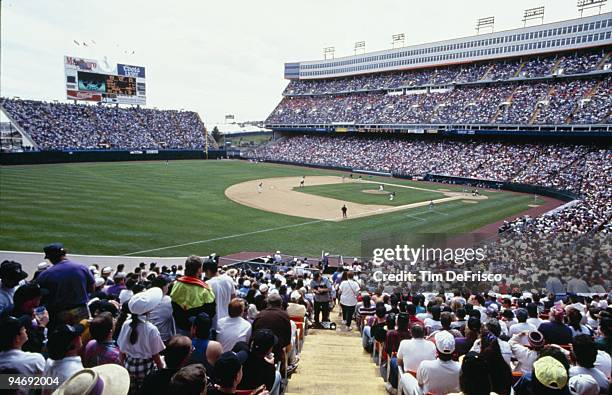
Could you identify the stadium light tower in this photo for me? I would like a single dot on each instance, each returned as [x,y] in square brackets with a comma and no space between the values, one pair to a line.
[533,13]
[328,52]
[398,39]
[359,47]
[586,4]
[485,23]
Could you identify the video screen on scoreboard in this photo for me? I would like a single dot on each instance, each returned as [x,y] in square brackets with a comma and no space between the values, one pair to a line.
[92,82]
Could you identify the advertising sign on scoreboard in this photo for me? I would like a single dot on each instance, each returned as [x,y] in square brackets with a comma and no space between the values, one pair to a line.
[87,79]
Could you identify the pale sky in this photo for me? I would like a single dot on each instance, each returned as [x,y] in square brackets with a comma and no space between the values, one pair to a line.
[224,57]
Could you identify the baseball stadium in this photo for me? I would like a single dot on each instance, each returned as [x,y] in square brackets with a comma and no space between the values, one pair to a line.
[431,218]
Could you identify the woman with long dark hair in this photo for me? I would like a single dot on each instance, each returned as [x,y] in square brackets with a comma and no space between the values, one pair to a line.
[474,378]
[501,375]
[139,340]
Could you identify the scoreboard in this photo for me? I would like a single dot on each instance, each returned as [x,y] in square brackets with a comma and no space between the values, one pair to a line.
[88,79]
[121,85]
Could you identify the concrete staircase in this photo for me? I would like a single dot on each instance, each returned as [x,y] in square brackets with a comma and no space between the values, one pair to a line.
[334,362]
[590,93]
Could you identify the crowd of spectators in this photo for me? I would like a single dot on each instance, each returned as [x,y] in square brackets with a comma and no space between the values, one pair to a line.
[548,103]
[60,126]
[503,342]
[503,70]
[205,329]
[582,170]
[239,329]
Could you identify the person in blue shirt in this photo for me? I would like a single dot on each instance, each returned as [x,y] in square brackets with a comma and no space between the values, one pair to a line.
[68,285]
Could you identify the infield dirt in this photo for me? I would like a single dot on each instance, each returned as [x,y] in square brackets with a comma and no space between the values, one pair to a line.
[278,195]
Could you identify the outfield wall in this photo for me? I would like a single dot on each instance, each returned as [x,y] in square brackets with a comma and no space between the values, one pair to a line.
[41,157]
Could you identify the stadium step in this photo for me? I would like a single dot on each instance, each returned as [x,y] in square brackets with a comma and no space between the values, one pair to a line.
[603,61]
[518,71]
[588,95]
[334,362]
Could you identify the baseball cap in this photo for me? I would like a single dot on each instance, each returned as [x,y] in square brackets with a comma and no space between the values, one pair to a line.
[583,384]
[201,320]
[99,281]
[54,250]
[29,291]
[60,339]
[107,270]
[246,283]
[209,264]
[106,306]
[263,340]
[120,275]
[263,288]
[228,365]
[10,327]
[11,270]
[550,372]
[43,265]
[160,281]
[536,339]
[445,342]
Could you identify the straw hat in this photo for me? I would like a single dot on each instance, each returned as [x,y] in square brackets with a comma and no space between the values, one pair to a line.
[109,379]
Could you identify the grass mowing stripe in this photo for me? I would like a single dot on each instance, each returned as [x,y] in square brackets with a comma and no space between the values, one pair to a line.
[111,208]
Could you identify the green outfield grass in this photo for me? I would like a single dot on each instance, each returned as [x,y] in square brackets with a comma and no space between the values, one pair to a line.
[122,208]
[354,192]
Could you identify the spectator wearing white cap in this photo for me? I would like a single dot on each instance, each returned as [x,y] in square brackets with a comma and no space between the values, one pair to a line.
[243,288]
[583,384]
[41,267]
[440,376]
[295,309]
[139,340]
[106,275]
[585,352]
[118,286]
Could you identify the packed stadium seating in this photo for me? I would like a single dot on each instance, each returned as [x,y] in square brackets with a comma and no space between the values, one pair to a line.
[503,70]
[548,103]
[59,126]
[517,92]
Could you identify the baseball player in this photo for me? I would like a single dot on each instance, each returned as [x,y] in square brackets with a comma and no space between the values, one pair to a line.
[260,187]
